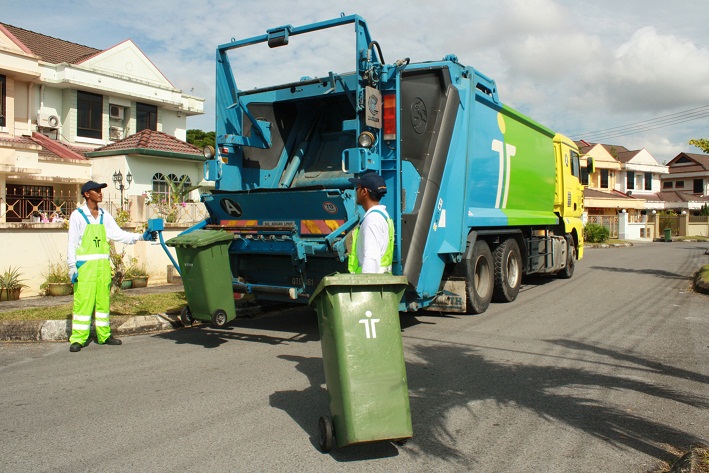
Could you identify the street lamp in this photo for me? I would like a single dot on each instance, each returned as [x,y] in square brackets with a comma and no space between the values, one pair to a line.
[118,182]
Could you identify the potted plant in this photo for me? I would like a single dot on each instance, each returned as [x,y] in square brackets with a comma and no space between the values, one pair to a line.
[137,274]
[11,284]
[118,269]
[57,281]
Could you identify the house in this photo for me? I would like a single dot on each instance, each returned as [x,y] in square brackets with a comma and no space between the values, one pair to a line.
[605,192]
[688,173]
[60,100]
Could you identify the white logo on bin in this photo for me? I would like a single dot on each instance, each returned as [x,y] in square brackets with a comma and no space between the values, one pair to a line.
[369,325]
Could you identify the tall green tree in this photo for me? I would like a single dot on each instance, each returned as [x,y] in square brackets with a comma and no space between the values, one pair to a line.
[201,138]
[701,143]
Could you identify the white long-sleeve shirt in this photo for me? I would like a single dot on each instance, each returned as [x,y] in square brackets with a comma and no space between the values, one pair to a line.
[77,225]
[373,239]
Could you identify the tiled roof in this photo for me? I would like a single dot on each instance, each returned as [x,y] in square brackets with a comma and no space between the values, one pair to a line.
[626,156]
[152,140]
[55,149]
[701,160]
[598,194]
[48,148]
[51,50]
[674,196]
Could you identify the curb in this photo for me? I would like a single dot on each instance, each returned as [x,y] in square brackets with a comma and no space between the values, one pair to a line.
[60,330]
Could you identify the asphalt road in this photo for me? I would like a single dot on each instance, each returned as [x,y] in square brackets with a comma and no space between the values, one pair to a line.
[600,373]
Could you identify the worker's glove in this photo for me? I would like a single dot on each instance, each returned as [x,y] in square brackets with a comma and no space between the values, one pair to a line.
[150,236]
[74,275]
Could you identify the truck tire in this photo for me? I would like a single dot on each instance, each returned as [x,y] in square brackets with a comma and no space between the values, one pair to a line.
[479,278]
[568,271]
[508,271]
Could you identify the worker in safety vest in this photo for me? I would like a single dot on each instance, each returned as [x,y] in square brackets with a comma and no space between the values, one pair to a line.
[90,228]
[373,241]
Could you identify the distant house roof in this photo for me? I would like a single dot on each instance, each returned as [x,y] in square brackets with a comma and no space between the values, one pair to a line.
[45,147]
[613,194]
[50,49]
[148,142]
[689,162]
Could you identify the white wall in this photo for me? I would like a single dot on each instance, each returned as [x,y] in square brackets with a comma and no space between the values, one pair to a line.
[37,245]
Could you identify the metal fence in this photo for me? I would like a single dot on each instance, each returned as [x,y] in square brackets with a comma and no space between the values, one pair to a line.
[608,221]
[36,209]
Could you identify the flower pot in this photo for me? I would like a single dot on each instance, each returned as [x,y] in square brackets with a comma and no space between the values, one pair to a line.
[126,284]
[60,288]
[140,281]
[10,294]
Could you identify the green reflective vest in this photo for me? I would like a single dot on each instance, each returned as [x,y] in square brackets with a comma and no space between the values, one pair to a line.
[353,265]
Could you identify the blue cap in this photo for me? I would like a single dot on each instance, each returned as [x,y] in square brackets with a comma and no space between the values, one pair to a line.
[372,181]
[91,185]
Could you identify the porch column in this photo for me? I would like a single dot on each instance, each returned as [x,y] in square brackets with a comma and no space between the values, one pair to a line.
[3,198]
[622,225]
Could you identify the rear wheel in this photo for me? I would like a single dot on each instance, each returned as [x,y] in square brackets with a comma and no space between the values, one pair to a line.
[186,316]
[326,434]
[479,278]
[508,271]
[568,271]
[219,318]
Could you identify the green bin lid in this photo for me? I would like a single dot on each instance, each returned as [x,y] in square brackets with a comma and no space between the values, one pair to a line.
[199,238]
[349,280]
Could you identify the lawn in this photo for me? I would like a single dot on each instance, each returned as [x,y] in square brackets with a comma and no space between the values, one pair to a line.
[121,304]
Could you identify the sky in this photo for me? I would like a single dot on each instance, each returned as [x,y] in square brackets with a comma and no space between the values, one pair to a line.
[633,73]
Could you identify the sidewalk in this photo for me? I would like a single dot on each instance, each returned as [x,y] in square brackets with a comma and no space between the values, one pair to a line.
[59,330]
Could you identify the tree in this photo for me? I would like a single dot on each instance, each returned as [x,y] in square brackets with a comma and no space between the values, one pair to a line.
[701,143]
[201,138]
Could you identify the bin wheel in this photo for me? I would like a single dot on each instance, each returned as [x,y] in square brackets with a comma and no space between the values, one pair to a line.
[219,318]
[326,434]
[186,316]
[401,442]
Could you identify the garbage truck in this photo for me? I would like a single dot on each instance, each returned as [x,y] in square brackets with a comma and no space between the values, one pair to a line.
[479,193]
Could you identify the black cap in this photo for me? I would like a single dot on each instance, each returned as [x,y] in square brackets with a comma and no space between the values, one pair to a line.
[372,181]
[91,185]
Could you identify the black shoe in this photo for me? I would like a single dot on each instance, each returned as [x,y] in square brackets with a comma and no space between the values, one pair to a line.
[75,347]
[112,341]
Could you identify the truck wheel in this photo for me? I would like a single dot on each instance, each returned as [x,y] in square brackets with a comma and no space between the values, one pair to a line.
[219,318]
[186,316]
[479,278]
[508,271]
[326,434]
[568,271]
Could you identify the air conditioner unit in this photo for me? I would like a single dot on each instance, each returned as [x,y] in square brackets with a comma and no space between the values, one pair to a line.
[115,133]
[115,111]
[47,121]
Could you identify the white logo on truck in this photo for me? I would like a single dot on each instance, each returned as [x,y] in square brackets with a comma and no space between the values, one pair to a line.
[369,325]
[506,151]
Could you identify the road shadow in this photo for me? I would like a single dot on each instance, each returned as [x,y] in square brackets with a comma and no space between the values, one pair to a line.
[447,379]
[301,322]
[652,272]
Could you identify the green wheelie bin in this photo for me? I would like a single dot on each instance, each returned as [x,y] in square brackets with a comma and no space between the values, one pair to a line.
[363,357]
[203,256]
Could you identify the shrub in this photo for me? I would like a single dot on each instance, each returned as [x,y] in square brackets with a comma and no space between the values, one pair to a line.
[57,273]
[595,233]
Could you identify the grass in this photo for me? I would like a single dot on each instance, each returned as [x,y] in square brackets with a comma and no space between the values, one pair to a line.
[121,304]
[703,274]
[696,460]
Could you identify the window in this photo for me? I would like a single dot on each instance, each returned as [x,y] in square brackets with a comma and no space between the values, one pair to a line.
[3,80]
[630,180]
[146,117]
[575,163]
[648,181]
[698,187]
[604,178]
[679,184]
[162,190]
[667,185]
[584,176]
[89,111]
